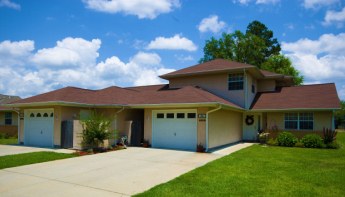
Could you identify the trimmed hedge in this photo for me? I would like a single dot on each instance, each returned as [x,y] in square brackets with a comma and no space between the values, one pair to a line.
[312,141]
[286,139]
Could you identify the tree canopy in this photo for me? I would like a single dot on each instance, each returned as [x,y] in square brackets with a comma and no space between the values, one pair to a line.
[340,115]
[256,47]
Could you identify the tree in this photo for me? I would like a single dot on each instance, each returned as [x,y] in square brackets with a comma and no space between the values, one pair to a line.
[259,29]
[256,47]
[96,129]
[340,115]
[281,64]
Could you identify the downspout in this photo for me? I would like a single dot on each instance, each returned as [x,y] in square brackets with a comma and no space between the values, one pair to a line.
[207,113]
[245,89]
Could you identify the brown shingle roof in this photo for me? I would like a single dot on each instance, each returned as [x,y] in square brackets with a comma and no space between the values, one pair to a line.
[144,95]
[212,66]
[319,96]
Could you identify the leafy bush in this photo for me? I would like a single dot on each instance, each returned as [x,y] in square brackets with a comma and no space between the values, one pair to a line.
[96,129]
[272,142]
[312,141]
[286,139]
[299,144]
[333,145]
[328,135]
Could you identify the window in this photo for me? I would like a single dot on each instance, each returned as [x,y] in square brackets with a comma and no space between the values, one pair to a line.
[191,115]
[8,118]
[52,114]
[38,115]
[160,115]
[170,115]
[32,115]
[301,121]
[291,120]
[180,115]
[45,115]
[253,88]
[235,82]
[306,121]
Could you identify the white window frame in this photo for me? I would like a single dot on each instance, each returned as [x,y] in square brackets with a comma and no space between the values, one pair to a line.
[236,80]
[299,120]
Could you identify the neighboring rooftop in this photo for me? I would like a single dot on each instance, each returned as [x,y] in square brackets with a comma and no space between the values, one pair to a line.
[4,99]
[318,96]
[116,96]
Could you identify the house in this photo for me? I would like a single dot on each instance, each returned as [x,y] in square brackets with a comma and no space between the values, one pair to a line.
[213,104]
[8,116]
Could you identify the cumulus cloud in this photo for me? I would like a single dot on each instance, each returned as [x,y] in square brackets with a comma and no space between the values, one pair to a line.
[334,17]
[246,2]
[72,62]
[15,53]
[173,43]
[211,24]
[9,4]
[314,4]
[319,60]
[140,8]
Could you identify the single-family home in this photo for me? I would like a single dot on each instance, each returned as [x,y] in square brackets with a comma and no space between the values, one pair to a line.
[212,104]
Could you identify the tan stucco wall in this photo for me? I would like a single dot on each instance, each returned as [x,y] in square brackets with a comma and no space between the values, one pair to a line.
[224,127]
[215,83]
[148,125]
[321,119]
[250,96]
[266,85]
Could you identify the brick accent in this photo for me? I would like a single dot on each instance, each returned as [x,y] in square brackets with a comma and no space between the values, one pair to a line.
[10,130]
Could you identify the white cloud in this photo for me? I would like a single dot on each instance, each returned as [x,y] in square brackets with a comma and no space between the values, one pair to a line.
[211,24]
[334,17]
[141,8]
[69,52]
[183,58]
[9,4]
[246,2]
[267,1]
[314,4]
[142,69]
[319,60]
[173,43]
[14,53]
[72,62]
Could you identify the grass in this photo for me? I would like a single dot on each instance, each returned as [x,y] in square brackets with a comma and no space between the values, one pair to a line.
[9,161]
[265,171]
[8,141]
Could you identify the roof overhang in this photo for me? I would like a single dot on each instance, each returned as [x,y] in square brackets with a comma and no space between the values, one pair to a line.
[62,103]
[293,109]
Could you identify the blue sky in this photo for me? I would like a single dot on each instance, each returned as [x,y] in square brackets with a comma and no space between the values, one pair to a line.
[46,45]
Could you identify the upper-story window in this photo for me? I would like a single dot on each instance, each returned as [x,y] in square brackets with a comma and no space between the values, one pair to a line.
[8,118]
[235,82]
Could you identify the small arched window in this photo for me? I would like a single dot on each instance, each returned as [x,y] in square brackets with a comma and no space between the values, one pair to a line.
[32,115]
[38,115]
[45,115]
[52,114]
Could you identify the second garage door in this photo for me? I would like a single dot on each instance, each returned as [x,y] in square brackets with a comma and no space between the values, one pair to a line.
[174,129]
[39,127]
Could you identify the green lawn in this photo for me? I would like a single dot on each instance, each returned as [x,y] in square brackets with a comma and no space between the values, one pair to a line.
[265,171]
[9,161]
[9,141]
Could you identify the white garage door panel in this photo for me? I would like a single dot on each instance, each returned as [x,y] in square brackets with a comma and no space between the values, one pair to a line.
[174,133]
[39,127]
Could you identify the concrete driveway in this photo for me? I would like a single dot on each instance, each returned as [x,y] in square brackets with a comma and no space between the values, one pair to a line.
[118,173]
[17,149]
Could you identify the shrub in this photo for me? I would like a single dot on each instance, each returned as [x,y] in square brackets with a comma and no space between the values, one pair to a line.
[299,144]
[333,145]
[96,129]
[328,135]
[286,139]
[312,141]
[272,142]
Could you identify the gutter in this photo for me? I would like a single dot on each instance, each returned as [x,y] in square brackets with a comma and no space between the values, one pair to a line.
[207,114]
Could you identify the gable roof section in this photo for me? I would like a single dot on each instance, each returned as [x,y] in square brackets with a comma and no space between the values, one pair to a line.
[213,66]
[132,96]
[319,96]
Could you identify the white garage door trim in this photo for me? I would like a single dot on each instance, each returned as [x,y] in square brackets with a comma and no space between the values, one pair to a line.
[39,123]
[175,132]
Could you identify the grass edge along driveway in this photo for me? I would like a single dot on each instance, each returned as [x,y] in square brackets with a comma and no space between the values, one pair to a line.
[264,171]
[9,161]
